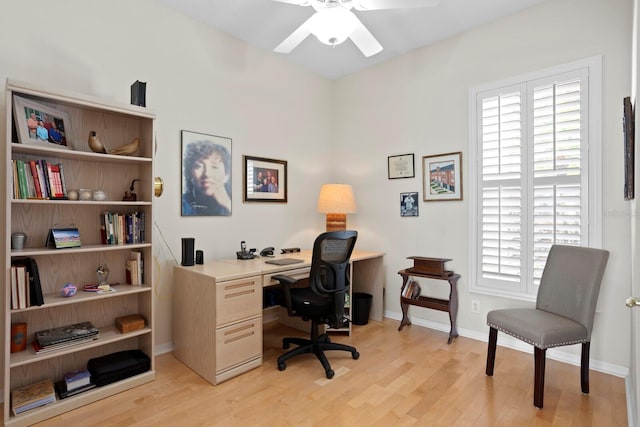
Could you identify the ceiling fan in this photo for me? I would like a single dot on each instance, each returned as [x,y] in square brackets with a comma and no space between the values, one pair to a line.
[334,22]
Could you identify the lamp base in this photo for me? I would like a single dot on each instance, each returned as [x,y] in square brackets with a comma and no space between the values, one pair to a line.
[336,222]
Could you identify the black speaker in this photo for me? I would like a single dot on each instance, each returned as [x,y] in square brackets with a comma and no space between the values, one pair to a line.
[199,257]
[139,93]
[188,244]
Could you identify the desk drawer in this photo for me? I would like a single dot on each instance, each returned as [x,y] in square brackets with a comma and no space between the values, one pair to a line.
[238,299]
[238,342]
[299,273]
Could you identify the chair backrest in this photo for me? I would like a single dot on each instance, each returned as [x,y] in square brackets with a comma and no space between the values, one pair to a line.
[570,282]
[330,268]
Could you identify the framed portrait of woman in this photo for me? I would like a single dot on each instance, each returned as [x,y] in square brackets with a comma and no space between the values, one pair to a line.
[206,174]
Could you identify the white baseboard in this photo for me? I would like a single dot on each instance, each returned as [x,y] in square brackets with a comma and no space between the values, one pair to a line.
[510,342]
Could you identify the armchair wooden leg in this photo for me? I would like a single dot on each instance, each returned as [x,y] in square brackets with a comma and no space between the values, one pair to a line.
[584,368]
[491,351]
[538,384]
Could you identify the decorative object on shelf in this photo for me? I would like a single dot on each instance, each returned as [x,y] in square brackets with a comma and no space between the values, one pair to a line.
[408,204]
[130,196]
[402,166]
[265,180]
[18,337]
[336,200]
[139,93]
[127,149]
[99,195]
[38,124]
[60,238]
[32,396]
[18,240]
[73,194]
[68,290]
[130,323]
[442,177]
[206,175]
[124,150]
[102,274]
[95,144]
[85,194]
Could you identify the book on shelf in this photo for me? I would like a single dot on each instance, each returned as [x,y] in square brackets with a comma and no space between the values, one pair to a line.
[39,349]
[66,333]
[32,396]
[118,229]
[21,274]
[76,379]
[134,268]
[63,393]
[411,290]
[33,288]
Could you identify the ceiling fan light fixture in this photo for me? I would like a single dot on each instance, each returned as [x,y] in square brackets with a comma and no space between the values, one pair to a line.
[334,25]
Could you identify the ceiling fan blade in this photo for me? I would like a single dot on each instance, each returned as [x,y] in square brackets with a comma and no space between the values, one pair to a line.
[297,2]
[365,41]
[295,38]
[391,4]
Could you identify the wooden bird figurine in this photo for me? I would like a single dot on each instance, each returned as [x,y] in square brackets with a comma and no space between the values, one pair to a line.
[95,144]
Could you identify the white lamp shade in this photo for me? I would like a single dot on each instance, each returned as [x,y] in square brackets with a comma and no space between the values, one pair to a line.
[336,198]
[333,26]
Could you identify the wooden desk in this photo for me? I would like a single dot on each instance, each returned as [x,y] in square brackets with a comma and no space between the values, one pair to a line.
[450,305]
[217,308]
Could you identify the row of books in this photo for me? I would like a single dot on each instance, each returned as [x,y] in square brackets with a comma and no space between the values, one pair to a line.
[42,392]
[411,290]
[118,229]
[64,336]
[38,179]
[25,284]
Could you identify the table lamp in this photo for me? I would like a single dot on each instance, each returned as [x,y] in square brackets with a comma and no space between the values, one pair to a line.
[336,200]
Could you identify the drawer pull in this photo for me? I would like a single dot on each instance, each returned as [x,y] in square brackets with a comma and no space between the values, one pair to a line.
[238,338]
[239,294]
[229,339]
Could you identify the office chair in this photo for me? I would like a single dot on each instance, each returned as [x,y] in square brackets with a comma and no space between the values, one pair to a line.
[565,307]
[322,302]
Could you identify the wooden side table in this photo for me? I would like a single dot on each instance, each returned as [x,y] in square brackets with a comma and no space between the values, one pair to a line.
[450,305]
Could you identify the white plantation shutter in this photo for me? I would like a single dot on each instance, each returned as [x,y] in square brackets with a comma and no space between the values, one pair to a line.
[532,176]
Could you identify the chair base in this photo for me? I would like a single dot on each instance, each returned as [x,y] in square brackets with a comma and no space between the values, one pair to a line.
[317,345]
[539,367]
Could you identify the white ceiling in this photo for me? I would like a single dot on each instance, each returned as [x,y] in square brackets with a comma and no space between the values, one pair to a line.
[265,23]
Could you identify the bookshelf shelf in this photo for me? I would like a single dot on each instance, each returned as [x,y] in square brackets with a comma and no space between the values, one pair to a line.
[117,124]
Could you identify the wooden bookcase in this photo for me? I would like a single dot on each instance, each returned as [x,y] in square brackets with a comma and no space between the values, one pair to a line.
[116,124]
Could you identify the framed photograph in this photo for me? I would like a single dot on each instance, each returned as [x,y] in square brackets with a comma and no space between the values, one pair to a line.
[39,124]
[629,149]
[409,204]
[206,175]
[402,166]
[442,177]
[265,180]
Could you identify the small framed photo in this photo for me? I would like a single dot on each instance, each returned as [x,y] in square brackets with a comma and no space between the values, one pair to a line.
[409,204]
[442,177]
[39,124]
[402,166]
[206,175]
[265,180]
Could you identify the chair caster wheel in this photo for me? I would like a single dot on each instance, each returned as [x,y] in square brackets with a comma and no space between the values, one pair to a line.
[330,374]
[355,355]
[325,339]
[281,366]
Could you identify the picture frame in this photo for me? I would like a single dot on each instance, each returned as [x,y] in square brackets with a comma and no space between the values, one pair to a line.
[206,174]
[442,177]
[41,125]
[265,180]
[409,204]
[401,166]
[629,149]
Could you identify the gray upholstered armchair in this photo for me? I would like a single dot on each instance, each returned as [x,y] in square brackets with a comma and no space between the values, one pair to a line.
[564,312]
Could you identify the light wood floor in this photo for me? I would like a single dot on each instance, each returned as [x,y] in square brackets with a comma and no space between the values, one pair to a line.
[407,378]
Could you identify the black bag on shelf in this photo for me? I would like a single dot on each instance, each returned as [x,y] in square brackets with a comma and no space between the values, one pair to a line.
[117,366]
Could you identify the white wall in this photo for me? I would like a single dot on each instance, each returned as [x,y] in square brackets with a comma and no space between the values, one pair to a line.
[202,80]
[418,103]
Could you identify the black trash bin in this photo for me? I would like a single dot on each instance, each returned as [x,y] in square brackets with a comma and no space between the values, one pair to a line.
[361,303]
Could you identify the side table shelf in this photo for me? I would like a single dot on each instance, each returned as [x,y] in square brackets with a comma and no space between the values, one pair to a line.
[450,305]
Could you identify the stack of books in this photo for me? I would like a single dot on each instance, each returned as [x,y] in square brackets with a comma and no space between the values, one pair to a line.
[32,396]
[412,290]
[74,383]
[64,336]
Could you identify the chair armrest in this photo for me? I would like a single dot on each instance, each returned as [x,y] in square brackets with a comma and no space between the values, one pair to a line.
[286,282]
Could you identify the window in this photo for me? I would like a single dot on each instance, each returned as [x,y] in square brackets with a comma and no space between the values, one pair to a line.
[536,145]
